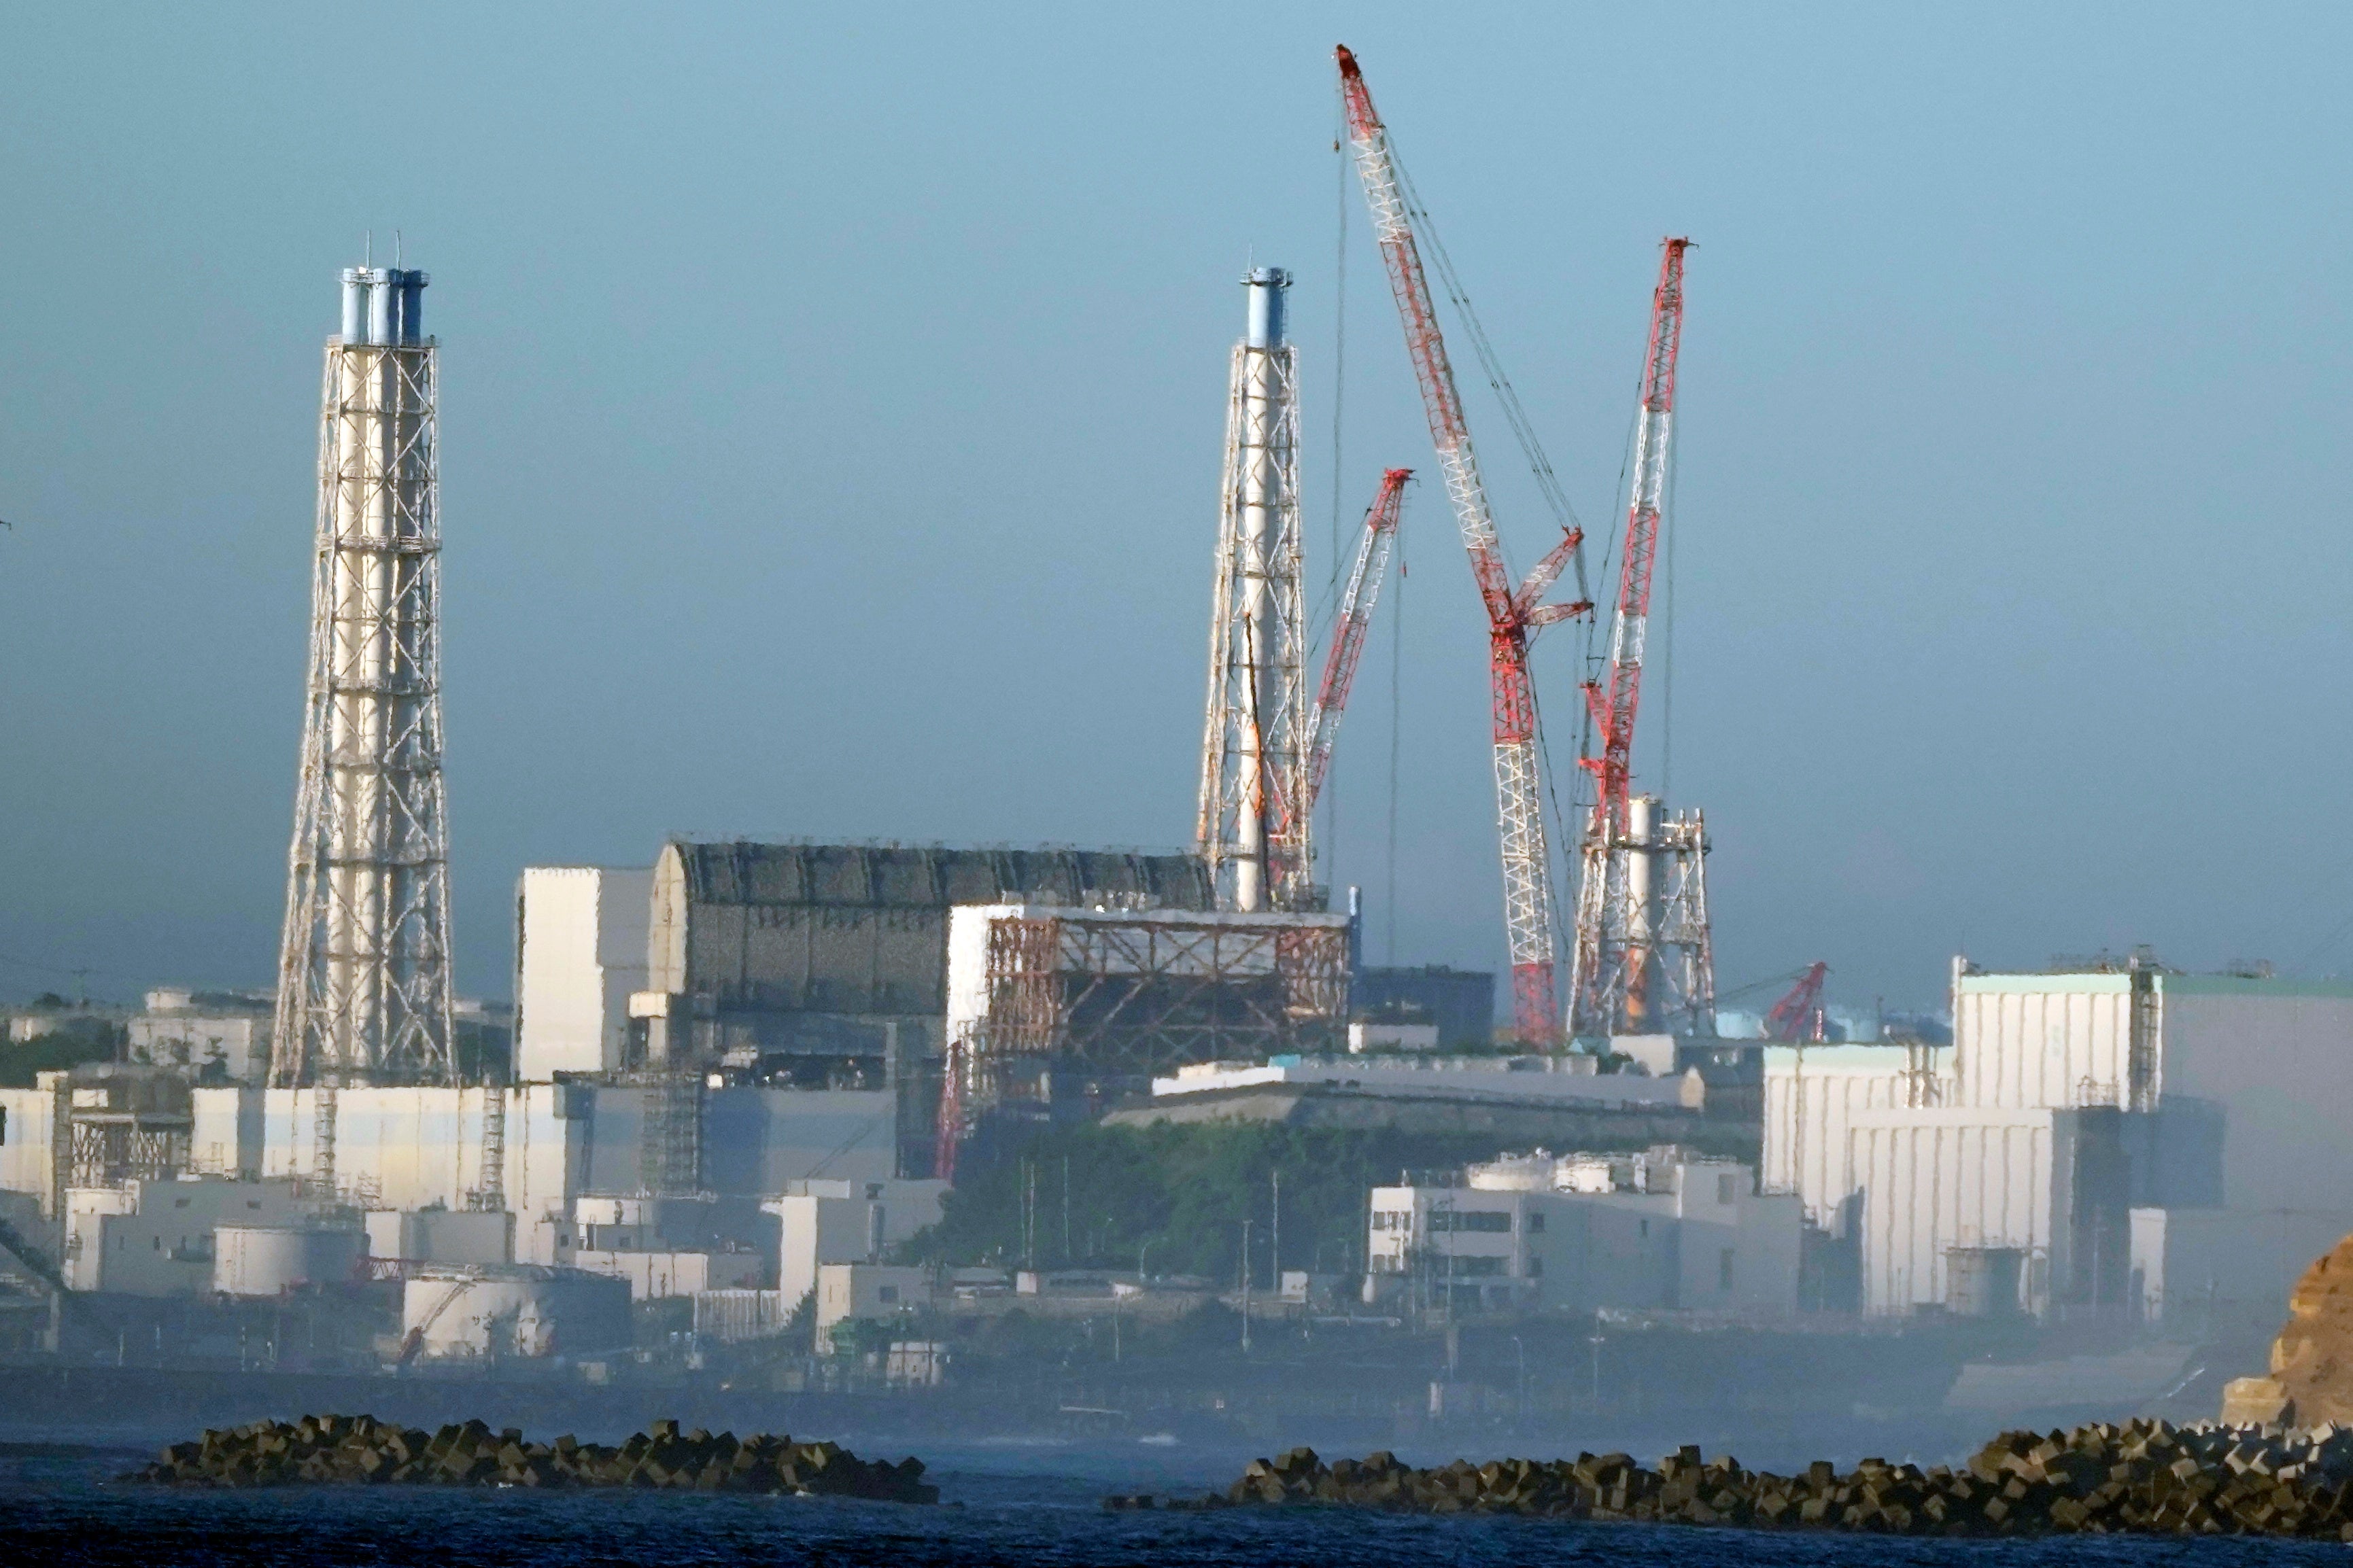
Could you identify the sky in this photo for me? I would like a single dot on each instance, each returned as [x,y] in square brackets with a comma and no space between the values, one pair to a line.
[831,404]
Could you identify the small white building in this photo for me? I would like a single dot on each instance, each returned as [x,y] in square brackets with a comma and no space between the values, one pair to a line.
[1665,1230]
[871,1292]
[212,1034]
[1381,1035]
[159,1238]
[580,952]
[823,1221]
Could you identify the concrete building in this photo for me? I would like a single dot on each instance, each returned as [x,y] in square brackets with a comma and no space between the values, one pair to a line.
[213,1036]
[441,1235]
[793,948]
[2220,1099]
[824,1222]
[580,954]
[2235,1099]
[1812,1095]
[159,1237]
[869,1292]
[1663,1231]
[1943,1185]
[1384,1037]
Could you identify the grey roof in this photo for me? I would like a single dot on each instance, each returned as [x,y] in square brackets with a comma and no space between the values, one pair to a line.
[892,876]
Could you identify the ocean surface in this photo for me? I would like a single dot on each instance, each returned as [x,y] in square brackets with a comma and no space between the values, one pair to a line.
[1027,1504]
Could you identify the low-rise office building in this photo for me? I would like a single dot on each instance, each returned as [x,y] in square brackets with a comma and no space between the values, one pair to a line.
[1667,1230]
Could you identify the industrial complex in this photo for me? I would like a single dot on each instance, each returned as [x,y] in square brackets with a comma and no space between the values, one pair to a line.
[743,1087]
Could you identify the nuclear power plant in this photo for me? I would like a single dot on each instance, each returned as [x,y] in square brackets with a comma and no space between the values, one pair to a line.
[750,1092]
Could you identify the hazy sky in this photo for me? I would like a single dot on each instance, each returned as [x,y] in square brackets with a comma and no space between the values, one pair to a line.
[831,407]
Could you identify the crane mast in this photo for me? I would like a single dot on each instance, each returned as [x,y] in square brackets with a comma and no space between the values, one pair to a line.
[1628,914]
[1514,613]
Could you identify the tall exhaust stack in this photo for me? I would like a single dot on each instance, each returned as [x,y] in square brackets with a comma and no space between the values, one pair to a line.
[1254,825]
[364,993]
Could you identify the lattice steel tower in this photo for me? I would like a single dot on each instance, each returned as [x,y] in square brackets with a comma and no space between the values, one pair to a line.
[1254,821]
[363,964]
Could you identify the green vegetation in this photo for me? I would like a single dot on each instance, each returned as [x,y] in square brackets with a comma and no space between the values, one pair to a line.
[1179,1196]
[78,1037]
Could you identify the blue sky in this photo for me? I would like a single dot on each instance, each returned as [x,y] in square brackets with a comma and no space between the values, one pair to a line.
[831,404]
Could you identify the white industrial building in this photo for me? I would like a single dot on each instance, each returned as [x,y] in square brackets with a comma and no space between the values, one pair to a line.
[1812,1095]
[1668,1230]
[867,1291]
[824,1222]
[580,954]
[159,1237]
[2154,1144]
[211,1033]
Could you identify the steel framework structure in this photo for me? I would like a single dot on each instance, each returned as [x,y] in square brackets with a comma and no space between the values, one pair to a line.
[1514,612]
[1255,828]
[364,985]
[1135,993]
[1643,960]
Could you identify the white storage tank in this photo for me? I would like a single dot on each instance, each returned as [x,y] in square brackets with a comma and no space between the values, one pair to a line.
[271,1259]
[524,1310]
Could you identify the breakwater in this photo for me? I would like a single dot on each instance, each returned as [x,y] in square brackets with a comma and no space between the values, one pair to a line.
[2136,1477]
[360,1449]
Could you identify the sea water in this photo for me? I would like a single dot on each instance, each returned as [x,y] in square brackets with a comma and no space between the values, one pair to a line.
[1028,1504]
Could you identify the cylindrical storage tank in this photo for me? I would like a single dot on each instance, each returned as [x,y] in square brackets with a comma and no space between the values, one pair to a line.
[513,1309]
[1983,1282]
[271,1259]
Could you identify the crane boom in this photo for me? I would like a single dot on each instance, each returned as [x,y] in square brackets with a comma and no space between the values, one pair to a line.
[1617,934]
[1799,1015]
[1356,619]
[1614,707]
[1512,614]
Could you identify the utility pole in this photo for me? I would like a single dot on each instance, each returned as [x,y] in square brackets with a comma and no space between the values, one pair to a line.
[1274,1265]
[1246,1287]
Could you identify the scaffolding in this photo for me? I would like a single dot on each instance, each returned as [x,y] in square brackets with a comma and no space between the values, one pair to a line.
[1644,962]
[1127,994]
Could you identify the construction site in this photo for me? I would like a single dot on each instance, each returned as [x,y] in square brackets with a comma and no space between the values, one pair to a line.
[794,1119]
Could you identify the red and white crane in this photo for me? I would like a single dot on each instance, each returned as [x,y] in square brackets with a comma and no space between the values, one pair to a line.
[1514,612]
[1617,913]
[1348,632]
[1799,1015]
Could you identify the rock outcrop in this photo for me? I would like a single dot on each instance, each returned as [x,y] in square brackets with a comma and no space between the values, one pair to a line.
[2311,1378]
